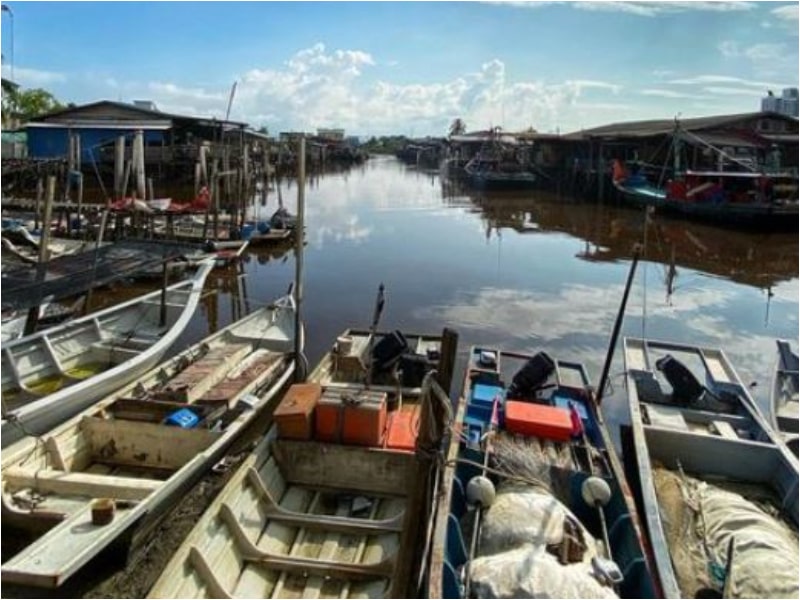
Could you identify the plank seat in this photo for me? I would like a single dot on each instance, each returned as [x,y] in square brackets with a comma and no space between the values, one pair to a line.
[81,483]
[724,429]
[348,525]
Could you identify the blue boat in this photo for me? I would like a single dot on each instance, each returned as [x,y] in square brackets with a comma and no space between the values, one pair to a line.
[533,500]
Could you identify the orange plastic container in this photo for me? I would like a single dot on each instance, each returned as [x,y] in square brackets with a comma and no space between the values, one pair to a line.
[294,416]
[351,417]
[538,420]
[402,430]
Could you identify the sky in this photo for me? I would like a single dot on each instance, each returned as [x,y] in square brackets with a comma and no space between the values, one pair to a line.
[409,68]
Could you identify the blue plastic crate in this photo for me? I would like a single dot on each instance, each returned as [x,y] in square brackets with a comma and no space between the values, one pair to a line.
[183,418]
[485,394]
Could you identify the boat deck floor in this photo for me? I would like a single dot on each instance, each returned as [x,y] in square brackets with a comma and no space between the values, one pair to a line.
[312,544]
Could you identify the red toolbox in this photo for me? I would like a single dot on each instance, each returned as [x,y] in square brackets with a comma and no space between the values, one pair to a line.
[538,420]
[351,417]
[294,416]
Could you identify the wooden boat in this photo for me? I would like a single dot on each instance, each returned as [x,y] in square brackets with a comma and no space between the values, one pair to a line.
[51,375]
[322,508]
[518,515]
[133,454]
[492,173]
[718,488]
[784,401]
[736,192]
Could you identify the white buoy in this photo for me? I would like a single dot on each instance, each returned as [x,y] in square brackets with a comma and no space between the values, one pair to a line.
[480,490]
[595,491]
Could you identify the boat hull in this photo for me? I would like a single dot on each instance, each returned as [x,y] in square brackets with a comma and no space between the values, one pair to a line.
[666,437]
[143,446]
[303,515]
[39,414]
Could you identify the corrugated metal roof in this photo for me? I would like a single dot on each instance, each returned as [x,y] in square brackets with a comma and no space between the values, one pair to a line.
[667,126]
[99,124]
[129,108]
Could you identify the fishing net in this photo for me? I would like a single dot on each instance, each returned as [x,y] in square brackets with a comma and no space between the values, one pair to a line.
[699,521]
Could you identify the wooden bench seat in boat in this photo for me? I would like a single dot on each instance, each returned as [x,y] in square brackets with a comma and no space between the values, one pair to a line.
[81,483]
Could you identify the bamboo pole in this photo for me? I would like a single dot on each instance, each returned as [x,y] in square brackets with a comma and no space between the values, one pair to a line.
[44,242]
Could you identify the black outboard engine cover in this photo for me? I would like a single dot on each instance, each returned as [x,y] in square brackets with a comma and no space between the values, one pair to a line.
[531,376]
[388,351]
[685,387]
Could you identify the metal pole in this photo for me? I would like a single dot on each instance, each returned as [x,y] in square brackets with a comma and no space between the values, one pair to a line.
[637,249]
[7,9]
[299,239]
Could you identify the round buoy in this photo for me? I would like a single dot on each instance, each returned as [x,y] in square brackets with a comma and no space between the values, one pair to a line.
[595,491]
[480,490]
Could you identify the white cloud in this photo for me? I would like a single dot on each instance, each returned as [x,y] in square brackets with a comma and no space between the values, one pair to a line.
[734,91]
[33,78]
[645,9]
[671,94]
[787,14]
[652,9]
[765,52]
[724,79]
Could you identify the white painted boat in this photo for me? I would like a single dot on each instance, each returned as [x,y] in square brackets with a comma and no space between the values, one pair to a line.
[305,516]
[784,400]
[140,449]
[51,375]
[717,487]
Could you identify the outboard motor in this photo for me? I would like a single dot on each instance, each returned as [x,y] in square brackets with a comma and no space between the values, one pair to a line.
[685,387]
[531,377]
[388,351]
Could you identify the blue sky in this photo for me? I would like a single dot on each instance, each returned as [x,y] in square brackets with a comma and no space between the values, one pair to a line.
[377,68]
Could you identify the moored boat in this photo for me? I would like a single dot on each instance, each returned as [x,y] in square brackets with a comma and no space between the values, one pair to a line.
[335,499]
[111,472]
[784,400]
[729,190]
[534,502]
[51,375]
[717,486]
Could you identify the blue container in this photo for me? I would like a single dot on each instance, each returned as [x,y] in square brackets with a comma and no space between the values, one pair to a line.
[247,230]
[485,394]
[183,418]
[263,227]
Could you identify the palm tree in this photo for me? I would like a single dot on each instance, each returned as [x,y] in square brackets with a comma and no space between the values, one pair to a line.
[458,127]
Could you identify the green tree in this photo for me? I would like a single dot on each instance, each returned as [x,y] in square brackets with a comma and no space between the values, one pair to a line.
[28,104]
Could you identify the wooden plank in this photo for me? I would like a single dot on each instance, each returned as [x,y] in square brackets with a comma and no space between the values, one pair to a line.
[199,377]
[345,467]
[245,379]
[145,444]
[725,430]
[80,484]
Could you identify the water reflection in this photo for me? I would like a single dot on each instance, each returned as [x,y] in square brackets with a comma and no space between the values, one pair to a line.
[526,270]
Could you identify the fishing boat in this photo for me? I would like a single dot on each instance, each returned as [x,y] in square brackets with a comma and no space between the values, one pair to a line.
[500,164]
[51,375]
[534,502]
[736,192]
[335,499]
[784,402]
[717,486]
[110,473]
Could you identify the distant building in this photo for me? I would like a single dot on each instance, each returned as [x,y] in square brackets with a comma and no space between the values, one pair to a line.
[786,104]
[333,135]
